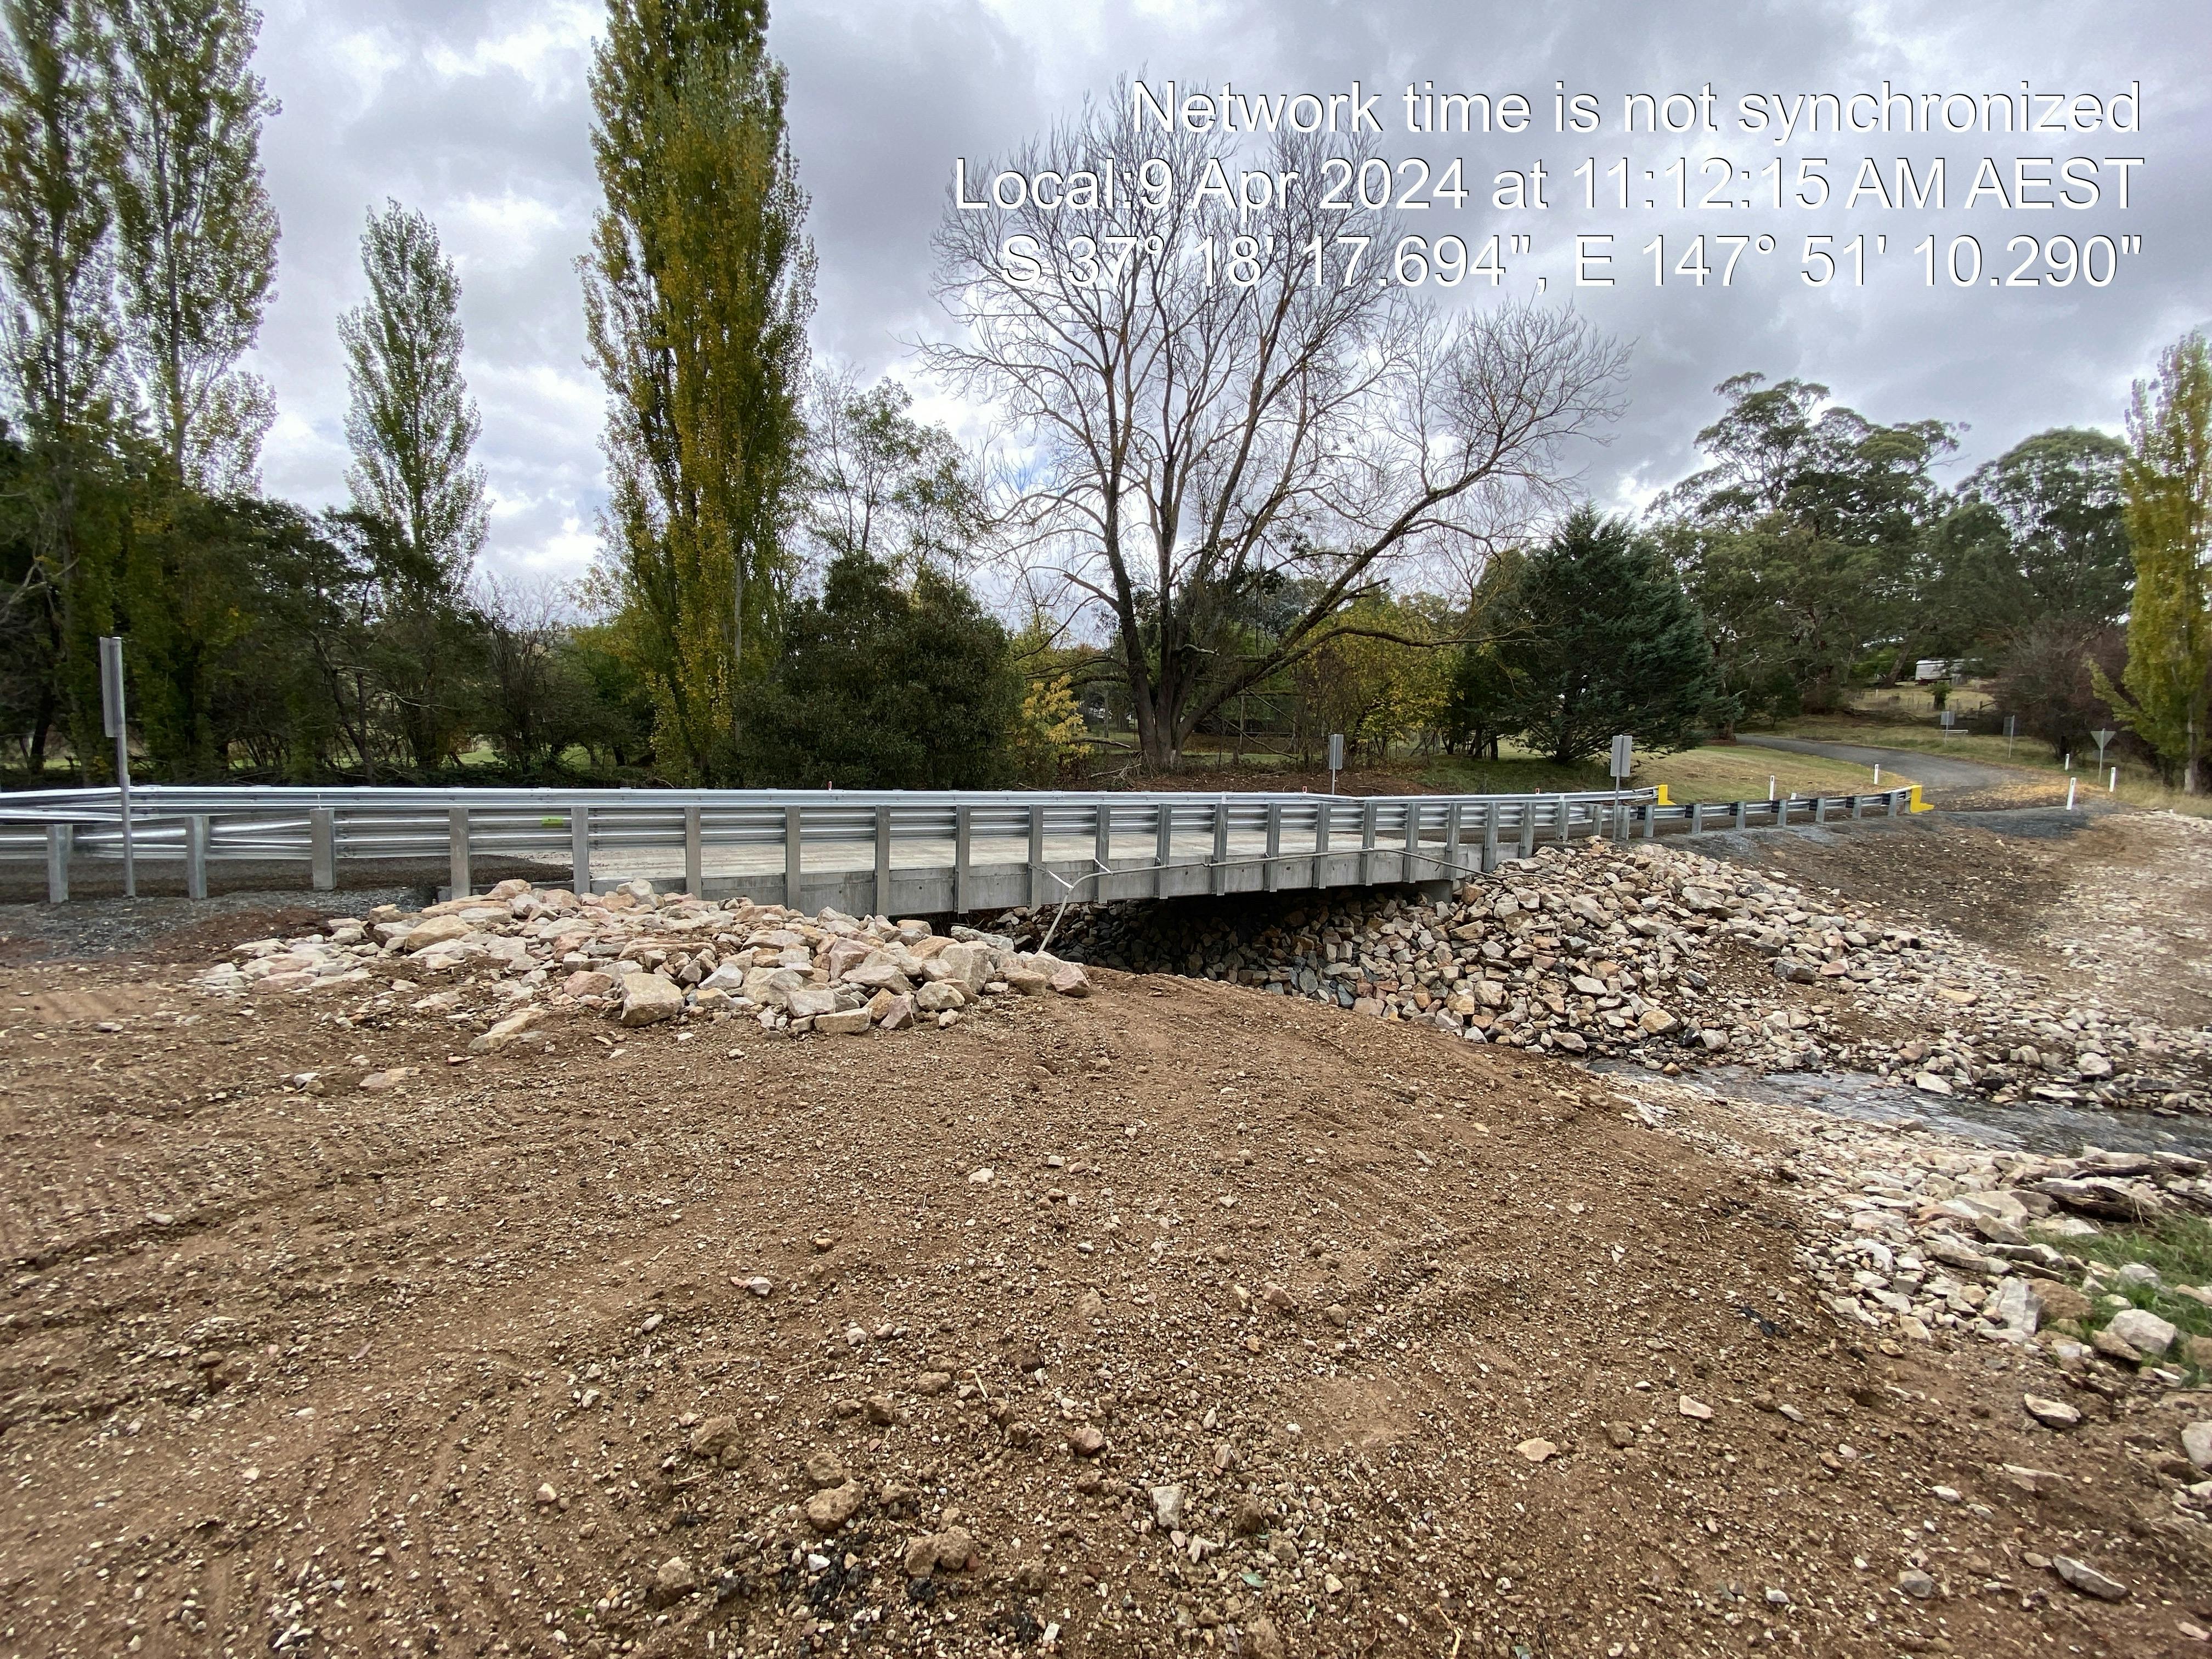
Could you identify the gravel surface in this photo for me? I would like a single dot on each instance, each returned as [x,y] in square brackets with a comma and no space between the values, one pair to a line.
[180,928]
[1932,772]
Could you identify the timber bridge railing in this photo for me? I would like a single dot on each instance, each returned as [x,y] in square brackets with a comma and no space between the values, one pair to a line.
[886,852]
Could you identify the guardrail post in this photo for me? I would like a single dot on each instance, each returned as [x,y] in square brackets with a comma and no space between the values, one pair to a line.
[1321,839]
[883,858]
[457,840]
[1036,852]
[1489,836]
[1102,839]
[1409,864]
[1367,811]
[1893,797]
[1696,817]
[1272,869]
[579,848]
[795,853]
[962,837]
[1220,845]
[1453,818]
[1739,815]
[695,854]
[1162,846]
[322,848]
[60,838]
[1819,809]
[1528,811]
[1650,810]
[196,855]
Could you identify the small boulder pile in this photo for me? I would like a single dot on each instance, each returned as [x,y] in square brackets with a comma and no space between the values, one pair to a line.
[1927,1239]
[1658,954]
[647,958]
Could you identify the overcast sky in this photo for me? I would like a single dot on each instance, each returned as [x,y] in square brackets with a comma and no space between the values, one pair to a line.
[476,110]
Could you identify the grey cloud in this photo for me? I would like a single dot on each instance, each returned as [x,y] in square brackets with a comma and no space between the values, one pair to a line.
[478,114]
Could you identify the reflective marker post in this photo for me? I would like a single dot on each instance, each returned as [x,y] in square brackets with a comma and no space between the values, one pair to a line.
[112,713]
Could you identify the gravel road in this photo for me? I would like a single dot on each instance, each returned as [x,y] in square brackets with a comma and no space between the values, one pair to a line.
[1929,771]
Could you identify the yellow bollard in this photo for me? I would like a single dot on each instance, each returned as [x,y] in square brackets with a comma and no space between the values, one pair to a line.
[1916,805]
[1662,801]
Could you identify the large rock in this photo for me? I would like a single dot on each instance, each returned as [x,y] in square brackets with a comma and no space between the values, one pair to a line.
[507,1030]
[940,996]
[1070,981]
[589,983]
[845,1022]
[879,973]
[2087,1579]
[2142,1330]
[2197,1444]
[439,930]
[2013,1305]
[810,1002]
[844,955]
[647,1000]
[896,1013]
[965,965]
[771,987]
[2055,1301]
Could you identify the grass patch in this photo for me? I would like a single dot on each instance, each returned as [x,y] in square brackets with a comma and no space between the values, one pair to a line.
[2179,1249]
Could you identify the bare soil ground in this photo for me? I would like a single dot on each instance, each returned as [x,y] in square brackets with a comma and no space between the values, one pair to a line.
[2119,903]
[472,1364]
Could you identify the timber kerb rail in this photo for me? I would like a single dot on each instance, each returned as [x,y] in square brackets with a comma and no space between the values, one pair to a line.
[886,852]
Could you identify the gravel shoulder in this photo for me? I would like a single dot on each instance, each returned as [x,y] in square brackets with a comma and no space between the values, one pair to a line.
[1939,776]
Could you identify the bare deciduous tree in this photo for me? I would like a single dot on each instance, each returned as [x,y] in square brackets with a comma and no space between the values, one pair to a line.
[1195,446]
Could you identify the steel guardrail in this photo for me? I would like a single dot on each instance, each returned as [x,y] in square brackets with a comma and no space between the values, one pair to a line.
[1121,842]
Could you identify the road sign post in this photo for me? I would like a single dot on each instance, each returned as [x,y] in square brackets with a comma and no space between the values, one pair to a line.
[1335,758]
[113,716]
[2103,735]
[1624,763]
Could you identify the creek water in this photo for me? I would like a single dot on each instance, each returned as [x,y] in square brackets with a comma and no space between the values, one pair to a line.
[2043,1127]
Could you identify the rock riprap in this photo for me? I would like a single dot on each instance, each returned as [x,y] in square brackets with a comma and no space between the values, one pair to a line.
[1659,954]
[648,958]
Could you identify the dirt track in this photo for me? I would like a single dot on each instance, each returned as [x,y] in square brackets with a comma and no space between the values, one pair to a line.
[423,1371]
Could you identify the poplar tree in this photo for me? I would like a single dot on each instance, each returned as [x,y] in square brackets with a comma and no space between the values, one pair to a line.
[57,326]
[2166,486]
[195,232]
[412,422]
[698,290]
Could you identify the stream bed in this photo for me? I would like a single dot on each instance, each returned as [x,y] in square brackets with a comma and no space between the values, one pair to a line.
[2041,1126]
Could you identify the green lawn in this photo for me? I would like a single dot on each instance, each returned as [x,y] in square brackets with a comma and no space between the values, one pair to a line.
[1717,772]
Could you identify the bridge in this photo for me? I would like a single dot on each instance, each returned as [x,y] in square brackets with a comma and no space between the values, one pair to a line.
[883,852]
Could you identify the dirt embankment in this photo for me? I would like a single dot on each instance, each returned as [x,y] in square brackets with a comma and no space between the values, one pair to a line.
[1269,1330]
